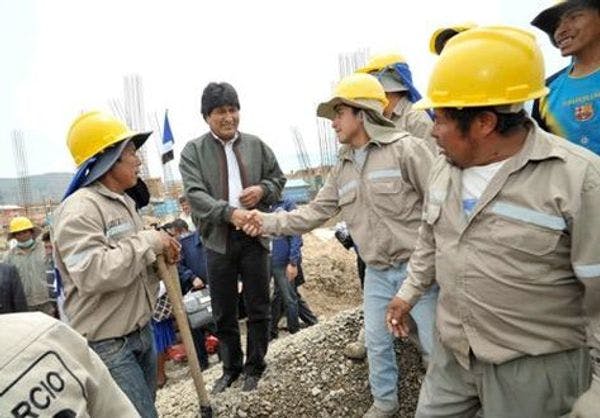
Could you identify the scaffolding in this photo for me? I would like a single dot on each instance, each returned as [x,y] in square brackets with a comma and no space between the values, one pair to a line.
[131,110]
[22,169]
[301,153]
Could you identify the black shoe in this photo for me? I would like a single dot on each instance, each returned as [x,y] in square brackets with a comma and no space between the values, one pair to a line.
[224,382]
[250,383]
[308,324]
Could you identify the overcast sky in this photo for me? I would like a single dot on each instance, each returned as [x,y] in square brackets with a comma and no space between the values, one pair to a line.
[61,57]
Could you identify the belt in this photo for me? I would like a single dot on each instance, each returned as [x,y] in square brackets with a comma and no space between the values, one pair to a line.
[138,329]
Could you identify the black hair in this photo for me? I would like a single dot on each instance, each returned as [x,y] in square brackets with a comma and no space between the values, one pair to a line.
[507,122]
[587,4]
[217,95]
[180,223]
[577,5]
[140,194]
[549,19]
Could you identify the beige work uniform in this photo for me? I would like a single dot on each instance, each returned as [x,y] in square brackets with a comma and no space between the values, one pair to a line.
[104,258]
[512,274]
[47,369]
[381,203]
[31,265]
[416,122]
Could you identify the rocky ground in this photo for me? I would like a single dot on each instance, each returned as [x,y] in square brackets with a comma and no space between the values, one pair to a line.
[332,283]
[307,374]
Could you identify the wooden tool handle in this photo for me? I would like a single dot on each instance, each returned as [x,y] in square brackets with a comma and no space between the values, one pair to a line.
[170,277]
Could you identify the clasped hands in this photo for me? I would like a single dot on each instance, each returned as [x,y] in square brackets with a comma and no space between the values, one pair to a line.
[250,221]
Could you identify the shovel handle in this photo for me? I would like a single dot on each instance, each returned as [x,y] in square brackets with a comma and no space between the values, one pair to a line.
[170,277]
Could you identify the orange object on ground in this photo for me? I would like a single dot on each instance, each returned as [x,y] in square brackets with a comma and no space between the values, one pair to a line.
[212,344]
[177,353]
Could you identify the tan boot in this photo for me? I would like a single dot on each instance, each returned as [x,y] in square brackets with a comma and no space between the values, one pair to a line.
[376,412]
[357,350]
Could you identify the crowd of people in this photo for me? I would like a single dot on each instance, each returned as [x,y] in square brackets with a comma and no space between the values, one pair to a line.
[474,222]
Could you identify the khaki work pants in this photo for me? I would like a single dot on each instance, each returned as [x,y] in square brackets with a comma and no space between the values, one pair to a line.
[544,386]
[588,405]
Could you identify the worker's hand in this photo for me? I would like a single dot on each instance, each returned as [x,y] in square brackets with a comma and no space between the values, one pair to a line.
[250,196]
[239,217]
[396,318]
[171,248]
[197,283]
[254,222]
[291,272]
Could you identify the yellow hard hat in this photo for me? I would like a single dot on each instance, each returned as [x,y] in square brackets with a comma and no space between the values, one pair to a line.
[381,61]
[360,86]
[357,90]
[20,223]
[93,132]
[442,35]
[486,66]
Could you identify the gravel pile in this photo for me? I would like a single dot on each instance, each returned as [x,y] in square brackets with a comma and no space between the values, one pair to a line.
[329,268]
[307,376]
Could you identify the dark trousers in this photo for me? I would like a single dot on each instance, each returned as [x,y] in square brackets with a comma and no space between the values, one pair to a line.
[361,267]
[305,314]
[200,345]
[248,259]
[285,297]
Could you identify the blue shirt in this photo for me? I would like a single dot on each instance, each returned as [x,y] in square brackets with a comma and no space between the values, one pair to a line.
[571,108]
[193,260]
[286,249]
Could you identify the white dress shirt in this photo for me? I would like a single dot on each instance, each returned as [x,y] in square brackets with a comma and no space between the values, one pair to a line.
[233,171]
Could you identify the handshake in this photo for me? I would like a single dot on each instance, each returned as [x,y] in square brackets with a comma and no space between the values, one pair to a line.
[250,221]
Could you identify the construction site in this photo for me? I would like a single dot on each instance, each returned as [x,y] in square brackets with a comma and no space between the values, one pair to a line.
[319,210]
[37,196]
[308,374]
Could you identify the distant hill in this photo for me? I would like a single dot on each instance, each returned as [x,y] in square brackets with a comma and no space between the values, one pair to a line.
[43,187]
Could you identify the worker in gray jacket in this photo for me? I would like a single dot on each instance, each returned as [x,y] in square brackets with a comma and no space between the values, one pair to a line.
[510,233]
[105,258]
[377,187]
[395,77]
[29,259]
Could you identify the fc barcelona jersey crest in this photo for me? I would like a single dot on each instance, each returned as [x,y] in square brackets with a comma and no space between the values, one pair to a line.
[584,112]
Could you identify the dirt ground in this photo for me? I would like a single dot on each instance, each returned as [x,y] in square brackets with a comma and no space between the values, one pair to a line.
[332,286]
[332,283]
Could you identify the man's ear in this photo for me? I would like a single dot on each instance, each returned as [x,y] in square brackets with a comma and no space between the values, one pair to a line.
[485,123]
